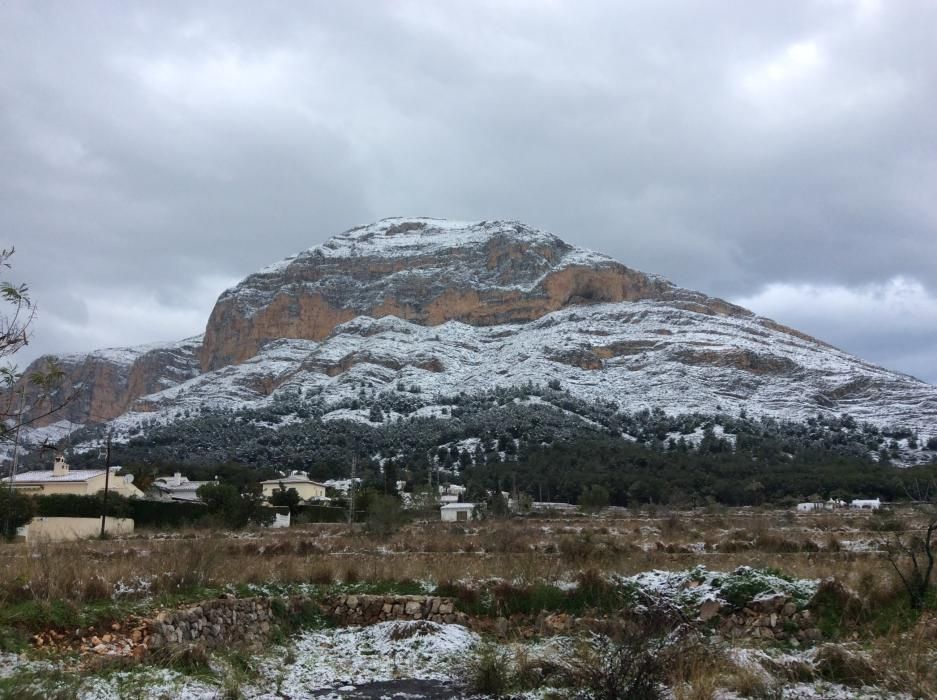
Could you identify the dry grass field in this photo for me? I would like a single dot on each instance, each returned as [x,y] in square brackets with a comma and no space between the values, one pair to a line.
[844,544]
[881,649]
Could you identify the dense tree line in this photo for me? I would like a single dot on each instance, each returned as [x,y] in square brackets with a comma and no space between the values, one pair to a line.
[539,438]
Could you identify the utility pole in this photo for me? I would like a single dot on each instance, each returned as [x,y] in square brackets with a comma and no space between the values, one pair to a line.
[107,482]
[430,464]
[351,491]
[7,525]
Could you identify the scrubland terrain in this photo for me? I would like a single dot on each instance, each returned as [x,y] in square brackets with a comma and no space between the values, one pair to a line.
[704,604]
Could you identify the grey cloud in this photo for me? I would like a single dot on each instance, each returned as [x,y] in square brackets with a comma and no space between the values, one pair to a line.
[159,149]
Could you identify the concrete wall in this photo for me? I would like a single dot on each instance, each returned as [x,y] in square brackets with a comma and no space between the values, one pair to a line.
[65,529]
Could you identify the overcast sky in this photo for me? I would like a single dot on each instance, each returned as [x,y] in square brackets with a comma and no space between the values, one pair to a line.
[782,155]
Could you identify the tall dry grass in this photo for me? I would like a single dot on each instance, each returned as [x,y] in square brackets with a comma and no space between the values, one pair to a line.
[526,550]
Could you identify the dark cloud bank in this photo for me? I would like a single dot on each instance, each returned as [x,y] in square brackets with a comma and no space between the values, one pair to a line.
[783,155]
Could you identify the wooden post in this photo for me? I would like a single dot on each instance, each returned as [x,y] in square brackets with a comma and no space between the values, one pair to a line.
[107,483]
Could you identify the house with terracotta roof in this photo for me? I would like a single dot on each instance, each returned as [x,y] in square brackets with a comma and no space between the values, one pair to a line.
[63,480]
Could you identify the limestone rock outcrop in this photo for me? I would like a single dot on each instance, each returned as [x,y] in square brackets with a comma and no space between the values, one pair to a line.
[428,307]
[104,384]
[428,272]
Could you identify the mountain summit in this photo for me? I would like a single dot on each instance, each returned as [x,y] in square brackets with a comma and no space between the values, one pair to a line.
[426,271]
[435,308]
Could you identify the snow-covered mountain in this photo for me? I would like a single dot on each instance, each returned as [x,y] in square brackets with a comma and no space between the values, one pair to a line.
[439,308]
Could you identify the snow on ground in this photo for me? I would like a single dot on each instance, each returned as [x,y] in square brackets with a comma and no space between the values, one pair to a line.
[333,662]
[147,683]
[127,356]
[756,660]
[357,655]
[861,545]
[356,415]
[475,357]
[693,586]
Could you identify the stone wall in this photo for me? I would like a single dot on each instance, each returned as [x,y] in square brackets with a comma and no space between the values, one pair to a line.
[769,617]
[370,609]
[250,621]
[212,623]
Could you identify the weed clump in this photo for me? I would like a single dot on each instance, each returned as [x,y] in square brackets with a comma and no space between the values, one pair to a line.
[488,672]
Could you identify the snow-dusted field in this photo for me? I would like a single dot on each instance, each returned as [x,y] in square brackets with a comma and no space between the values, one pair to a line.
[388,660]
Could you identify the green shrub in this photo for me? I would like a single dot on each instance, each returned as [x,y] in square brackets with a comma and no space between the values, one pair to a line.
[166,515]
[234,508]
[593,498]
[16,509]
[320,514]
[384,515]
[488,672]
[62,505]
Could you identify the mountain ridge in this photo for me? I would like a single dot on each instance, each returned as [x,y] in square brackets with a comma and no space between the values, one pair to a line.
[459,306]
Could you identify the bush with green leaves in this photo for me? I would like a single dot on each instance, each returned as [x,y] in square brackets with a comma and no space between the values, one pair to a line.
[488,671]
[286,498]
[593,498]
[384,515]
[233,508]
[68,505]
[16,509]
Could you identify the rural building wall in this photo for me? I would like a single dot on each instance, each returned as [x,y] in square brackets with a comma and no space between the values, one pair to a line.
[64,529]
[305,490]
[85,487]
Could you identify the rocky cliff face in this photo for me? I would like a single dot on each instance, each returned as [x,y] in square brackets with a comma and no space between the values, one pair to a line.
[438,308]
[103,384]
[428,272]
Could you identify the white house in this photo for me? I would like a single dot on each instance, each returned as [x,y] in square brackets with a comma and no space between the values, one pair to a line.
[178,487]
[868,504]
[810,507]
[457,512]
[307,489]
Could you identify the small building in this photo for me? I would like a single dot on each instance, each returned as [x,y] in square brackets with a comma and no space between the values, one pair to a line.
[307,489]
[457,512]
[811,506]
[451,490]
[178,487]
[866,504]
[78,482]
[448,499]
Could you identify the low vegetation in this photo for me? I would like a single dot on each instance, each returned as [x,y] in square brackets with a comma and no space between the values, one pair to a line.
[556,448]
[521,578]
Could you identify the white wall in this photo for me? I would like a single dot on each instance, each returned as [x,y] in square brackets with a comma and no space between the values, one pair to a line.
[65,529]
